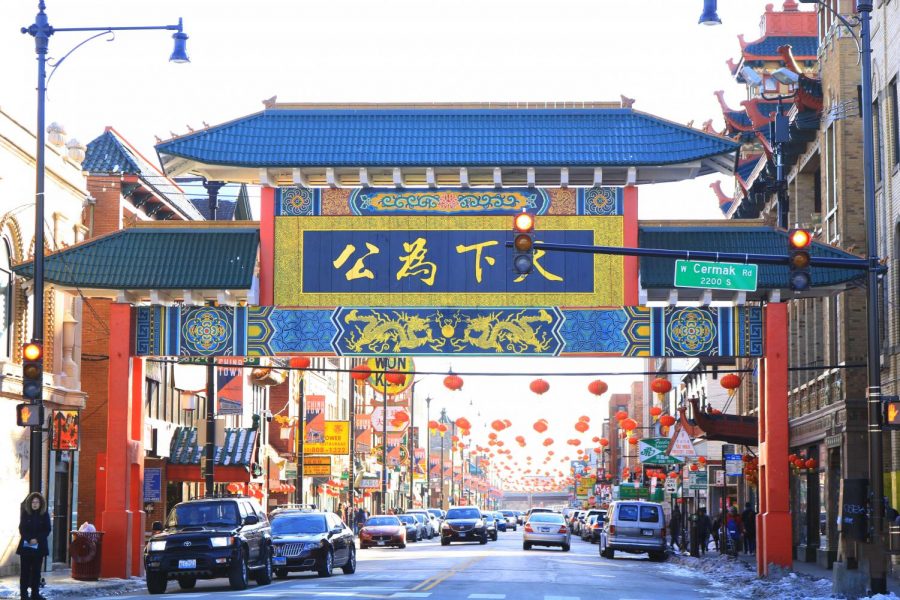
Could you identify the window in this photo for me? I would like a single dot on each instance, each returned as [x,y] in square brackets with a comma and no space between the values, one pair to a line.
[879,150]
[5,299]
[829,219]
[628,512]
[894,133]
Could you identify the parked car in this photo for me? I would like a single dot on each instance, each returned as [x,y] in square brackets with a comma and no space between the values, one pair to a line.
[588,529]
[512,519]
[634,526]
[463,524]
[500,520]
[429,521]
[208,539]
[533,510]
[575,522]
[306,540]
[438,513]
[546,529]
[490,522]
[520,517]
[413,527]
[382,530]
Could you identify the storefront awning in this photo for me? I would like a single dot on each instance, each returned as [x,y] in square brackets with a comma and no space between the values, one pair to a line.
[221,474]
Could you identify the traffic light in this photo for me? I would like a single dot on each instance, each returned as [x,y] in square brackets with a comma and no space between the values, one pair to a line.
[891,412]
[28,415]
[523,243]
[33,372]
[799,241]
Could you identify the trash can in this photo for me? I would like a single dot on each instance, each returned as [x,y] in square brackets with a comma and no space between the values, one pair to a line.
[85,550]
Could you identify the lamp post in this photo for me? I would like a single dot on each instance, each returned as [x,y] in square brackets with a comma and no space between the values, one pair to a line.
[41,30]
[428,451]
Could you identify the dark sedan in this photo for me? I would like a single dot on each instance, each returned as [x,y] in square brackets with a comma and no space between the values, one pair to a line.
[311,541]
[413,528]
[463,524]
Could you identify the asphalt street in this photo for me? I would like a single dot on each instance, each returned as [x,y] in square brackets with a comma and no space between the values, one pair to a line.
[498,571]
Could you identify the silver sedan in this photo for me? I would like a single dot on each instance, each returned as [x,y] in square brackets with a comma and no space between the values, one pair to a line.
[546,529]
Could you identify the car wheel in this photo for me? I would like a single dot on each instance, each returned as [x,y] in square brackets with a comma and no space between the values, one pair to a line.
[281,573]
[187,583]
[494,537]
[349,567]
[264,575]
[657,556]
[402,546]
[445,542]
[526,545]
[156,583]
[238,576]
[483,540]
[608,553]
[566,547]
[326,565]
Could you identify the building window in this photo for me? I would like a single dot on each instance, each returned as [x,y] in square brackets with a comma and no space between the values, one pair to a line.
[5,298]
[894,135]
[829,219]
[879,151]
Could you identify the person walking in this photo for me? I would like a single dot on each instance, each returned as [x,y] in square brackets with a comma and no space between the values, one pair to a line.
[717,530]
[704,526]
[675,526]
[360,518]
[734,529]
[34,529]
[748,518]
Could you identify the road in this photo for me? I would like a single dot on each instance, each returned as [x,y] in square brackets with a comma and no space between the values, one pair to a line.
[498,571]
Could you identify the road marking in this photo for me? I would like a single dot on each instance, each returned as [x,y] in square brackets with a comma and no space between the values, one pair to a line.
[488,596]
[342,594]
[562,597]
[411,595]
[432,582]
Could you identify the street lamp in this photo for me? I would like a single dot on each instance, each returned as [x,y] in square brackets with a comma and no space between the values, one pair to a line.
[874,399]
[41,30]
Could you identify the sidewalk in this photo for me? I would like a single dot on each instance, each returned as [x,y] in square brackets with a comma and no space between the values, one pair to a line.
[738,576]
[59,584]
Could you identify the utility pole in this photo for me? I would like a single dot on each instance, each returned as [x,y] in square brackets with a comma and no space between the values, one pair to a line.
[384,465]
[209,451]
[428,451]
[351,497]
[301,426]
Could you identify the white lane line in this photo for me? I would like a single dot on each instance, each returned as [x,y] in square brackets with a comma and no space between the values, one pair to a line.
[337,594]
[411,595]
[562,597]
[487,596]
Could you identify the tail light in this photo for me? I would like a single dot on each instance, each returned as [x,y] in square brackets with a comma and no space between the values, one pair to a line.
[528,528]
[596,526]
[612,530]
[563,529]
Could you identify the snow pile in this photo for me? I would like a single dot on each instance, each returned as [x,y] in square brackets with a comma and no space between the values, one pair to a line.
[65,587]
[737,579]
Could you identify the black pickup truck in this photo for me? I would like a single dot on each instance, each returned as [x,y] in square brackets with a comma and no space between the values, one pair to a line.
[209,538]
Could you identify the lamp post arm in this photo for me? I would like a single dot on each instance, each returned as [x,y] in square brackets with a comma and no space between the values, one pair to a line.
[850,25]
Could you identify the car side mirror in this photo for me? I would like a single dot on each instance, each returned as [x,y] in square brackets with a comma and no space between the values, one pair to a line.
[251,520]
[157,526]
[337,530]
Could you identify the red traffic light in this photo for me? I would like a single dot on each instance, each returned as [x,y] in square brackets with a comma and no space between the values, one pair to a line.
[799,238]
[32,351]
[523,222]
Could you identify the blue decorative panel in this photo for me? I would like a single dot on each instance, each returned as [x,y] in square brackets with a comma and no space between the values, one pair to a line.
[601,201]
[298,202]
[368,331]
[448,201]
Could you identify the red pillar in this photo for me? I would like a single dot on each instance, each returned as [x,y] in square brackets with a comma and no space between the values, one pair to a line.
[267,247]
[123,515]
[630,239]
[773,532]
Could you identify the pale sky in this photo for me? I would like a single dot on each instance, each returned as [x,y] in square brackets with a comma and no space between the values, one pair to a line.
[396,50]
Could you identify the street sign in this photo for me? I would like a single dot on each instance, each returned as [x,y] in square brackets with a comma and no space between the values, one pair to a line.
[715,275]
[682,445]
[652,451]
[734,465]
[671,485]
[697,480]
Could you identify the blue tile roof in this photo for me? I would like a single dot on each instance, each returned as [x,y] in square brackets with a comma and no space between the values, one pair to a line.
[110,154]
[802,46]
[224,211]
[156,258]
[660,272]
[446,137]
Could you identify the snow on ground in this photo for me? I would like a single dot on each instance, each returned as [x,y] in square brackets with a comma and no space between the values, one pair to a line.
[65,587]
[733,578]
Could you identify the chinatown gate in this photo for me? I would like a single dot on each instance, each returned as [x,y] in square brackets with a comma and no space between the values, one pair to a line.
[383,232]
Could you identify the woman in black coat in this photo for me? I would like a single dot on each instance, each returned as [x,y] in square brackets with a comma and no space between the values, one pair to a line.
[34,527]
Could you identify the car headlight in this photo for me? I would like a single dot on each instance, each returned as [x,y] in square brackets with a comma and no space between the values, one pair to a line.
[158,546]
[445,525]
[220,542]
[310,546]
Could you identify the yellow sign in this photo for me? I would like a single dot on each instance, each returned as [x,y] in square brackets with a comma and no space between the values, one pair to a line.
[585,487]
[380,364]
[316,466]
[337,440]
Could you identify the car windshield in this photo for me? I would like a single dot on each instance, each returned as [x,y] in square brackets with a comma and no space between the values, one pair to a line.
[382,522]
[546,518]
[408,519]
[204,514]
[488,517]
[298,524]
[463,513]
[436,512]
[419,517]
[507,513]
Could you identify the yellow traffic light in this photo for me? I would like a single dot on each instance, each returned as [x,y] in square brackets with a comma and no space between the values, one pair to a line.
[523,222]
[32,351]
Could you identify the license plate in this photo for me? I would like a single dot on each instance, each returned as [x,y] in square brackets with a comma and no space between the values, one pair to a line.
[545,529]
[187,564]
[648,532]
[462,534]
[381,543]
[279,560]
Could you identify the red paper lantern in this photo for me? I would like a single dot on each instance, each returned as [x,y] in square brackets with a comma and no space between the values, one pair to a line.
[730,381]
[609,476]
[667,420]
[695,468]
[548,442]
[701,460]
[540,425]
[453,382]
[300,362]
[633,441]
[629,424]
[655,411]
[395,377]
[597,387]
[360,372]
[811,463]
[432,424]
[621,415]
[498,425]
[582,426]
[539,386]
[442,428]
[463,423]
[661,386]
[673,475]
[604,442]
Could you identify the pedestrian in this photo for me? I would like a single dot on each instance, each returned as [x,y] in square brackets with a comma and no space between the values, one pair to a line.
[716,530]
[748,518]
[34,527]
[675,526]
[704,526]
[734,529]
[360,518]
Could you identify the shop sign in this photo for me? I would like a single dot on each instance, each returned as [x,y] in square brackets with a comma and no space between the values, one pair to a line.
[336,440]
[316,466]
[152,485]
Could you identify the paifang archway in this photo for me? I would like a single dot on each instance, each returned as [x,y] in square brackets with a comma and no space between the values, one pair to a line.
[383,232]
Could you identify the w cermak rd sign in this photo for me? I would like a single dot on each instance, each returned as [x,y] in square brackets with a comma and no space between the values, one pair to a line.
[716,275]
